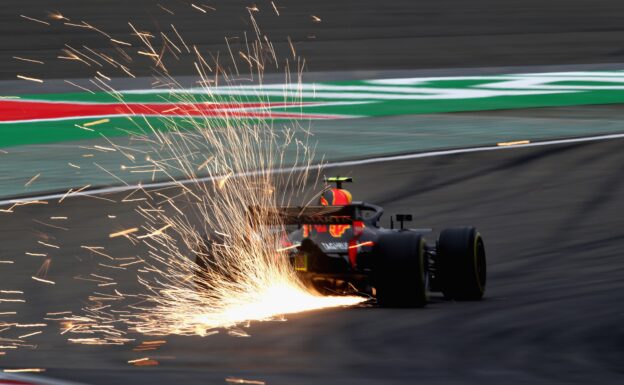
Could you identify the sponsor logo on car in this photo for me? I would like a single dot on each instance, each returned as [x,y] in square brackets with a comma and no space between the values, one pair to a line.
[334,246]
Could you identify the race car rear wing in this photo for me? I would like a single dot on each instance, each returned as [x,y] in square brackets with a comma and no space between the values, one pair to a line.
[311,215]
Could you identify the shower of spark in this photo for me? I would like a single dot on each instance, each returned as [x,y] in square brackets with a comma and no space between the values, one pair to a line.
[242,272]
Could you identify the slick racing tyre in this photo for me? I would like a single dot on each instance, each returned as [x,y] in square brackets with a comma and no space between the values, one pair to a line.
[400,272]
[461,256]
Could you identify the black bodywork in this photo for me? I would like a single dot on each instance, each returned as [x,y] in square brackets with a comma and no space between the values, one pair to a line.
[344,250]
[344,262]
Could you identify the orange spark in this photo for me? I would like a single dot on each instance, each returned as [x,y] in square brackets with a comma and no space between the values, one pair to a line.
[35,20]
[121,42]
[77,86]
[123,232]
[164,9]
[233,380]
[57,16]
[96,122]
[145,361]
[30,334]
[34,178]
[147,54]
[36,254]
[289,247]
[28,60]
[369,243]
[199,8]
[48,245]
[43,280]
[515,143]
[275,8]
[155,233]
[223,180]
[29,79]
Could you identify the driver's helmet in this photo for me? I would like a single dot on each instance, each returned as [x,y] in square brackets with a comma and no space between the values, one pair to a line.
[335,197]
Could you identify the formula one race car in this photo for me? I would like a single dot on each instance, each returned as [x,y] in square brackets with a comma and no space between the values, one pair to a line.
[339,247]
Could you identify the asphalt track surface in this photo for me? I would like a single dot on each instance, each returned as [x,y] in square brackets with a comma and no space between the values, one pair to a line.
[551,216]
[352,34]
[553,225]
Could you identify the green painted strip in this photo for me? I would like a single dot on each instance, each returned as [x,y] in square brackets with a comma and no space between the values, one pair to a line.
[364,98]
[17,134]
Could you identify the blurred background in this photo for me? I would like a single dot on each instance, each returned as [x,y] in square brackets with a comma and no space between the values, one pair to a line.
[345,36]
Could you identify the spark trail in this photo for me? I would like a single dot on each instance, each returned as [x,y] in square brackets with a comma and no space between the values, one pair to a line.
[204,263]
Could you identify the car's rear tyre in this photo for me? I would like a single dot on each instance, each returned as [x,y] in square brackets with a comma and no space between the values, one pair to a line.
[400,275]
[463,268]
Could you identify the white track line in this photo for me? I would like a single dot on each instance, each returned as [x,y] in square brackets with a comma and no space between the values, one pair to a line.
[380,159]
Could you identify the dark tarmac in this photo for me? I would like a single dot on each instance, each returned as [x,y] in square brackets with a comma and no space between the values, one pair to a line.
[352,34]
[553,225]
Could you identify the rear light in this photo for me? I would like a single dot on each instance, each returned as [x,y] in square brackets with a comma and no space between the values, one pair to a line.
[354,245]
[353,250]
[358,228]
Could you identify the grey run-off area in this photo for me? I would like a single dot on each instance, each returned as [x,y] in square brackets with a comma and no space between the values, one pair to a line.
[551,221]
[334,141]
